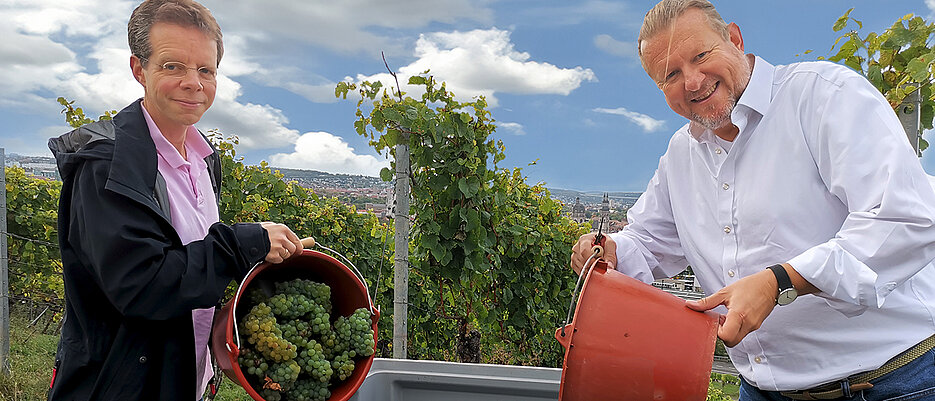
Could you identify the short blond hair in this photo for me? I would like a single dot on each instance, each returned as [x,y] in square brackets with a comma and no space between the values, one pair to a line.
[663,14]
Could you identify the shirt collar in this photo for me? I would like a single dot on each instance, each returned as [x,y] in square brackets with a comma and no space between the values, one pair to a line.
[195,145]
[759,91]
[755,97]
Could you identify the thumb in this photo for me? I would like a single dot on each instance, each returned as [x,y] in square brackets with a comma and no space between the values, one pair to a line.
[610,253]
[706,303]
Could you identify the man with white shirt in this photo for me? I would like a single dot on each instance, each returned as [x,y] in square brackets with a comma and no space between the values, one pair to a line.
[789,183]
[144,257]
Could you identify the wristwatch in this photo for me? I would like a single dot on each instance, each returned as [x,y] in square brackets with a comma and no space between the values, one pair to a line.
[787,292]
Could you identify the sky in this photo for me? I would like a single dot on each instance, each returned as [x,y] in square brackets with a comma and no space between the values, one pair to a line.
[562,77]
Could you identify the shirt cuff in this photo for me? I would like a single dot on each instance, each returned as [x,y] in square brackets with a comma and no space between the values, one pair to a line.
[847,284]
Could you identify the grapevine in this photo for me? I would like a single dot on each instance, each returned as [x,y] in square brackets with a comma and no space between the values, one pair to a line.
[291,351]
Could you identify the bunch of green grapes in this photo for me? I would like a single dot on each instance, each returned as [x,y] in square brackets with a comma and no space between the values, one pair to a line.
[285,374]
[269,394]
[293,351]
[255,365]
[343,366]
[317,292]
[265,335]
[308,390]
[355,334]
[313,362]
[291,306]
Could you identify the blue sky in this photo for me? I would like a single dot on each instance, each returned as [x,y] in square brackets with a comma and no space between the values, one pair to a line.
[562,76]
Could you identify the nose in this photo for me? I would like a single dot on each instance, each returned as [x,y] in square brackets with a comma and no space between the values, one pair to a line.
[693,79]
[191,80]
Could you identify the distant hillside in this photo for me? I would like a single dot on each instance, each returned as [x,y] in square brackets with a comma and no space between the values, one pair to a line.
[319,179]
[591,197]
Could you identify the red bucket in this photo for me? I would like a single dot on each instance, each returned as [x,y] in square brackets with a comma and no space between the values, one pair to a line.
[632,341]
[348,293]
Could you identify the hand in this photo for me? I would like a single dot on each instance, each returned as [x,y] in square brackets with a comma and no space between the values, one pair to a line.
[583,250]
[749,301]
[283,243]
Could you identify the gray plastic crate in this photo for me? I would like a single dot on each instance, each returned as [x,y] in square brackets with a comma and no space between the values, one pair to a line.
[411,380]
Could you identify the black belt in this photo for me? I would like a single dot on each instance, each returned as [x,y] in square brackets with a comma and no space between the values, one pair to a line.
[861,381]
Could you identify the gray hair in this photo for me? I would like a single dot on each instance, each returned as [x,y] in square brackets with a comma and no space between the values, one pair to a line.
[186,13]
[663,14]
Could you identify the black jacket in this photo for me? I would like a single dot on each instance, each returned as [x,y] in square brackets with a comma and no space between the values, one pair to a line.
[130,284]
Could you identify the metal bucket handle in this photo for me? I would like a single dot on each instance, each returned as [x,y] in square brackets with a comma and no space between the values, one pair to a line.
[596,252]
[307,243]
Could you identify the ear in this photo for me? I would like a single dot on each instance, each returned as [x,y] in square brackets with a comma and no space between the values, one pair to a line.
[735,37]
[136,66]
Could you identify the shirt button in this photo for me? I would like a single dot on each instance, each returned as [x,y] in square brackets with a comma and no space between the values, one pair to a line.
[730,273]
[758,360]
[142,359]
[727,229]
[718,150]
[725,186]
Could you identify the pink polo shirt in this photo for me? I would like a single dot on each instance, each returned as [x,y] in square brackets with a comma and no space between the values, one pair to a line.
[194,209]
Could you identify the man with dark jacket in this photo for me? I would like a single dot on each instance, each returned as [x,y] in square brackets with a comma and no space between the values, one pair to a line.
[144,257]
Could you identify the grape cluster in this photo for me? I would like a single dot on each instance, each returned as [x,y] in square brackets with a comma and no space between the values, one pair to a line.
[266,336]
[317,292]
[309,390]
[292,351]
[354,333]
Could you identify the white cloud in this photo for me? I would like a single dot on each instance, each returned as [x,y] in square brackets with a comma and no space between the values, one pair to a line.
[931,5]
[615,47]
[483,62]
[515,128]
[326,152]
[38,62]
[645,122]
[341,26]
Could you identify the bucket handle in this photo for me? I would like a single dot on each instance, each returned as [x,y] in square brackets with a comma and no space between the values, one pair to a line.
[307,243]
[234,308]
[597,252]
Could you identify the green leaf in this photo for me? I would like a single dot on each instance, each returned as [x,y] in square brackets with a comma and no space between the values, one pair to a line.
[875,76]
[918,69]
[386,174]
[927,114]
[842,21]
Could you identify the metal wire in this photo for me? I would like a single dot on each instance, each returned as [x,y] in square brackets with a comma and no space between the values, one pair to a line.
[574,294]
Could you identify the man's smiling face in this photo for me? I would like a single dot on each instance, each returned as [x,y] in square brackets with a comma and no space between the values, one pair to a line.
[701,73]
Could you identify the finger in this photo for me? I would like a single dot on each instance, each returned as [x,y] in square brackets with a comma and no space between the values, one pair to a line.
[731,331]
[706,303]
[610,252]
[291,235]
[290,246]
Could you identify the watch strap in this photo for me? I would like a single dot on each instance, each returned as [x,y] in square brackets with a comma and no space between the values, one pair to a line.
[782,278]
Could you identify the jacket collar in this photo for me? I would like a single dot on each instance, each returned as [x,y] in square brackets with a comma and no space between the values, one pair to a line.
[134,162]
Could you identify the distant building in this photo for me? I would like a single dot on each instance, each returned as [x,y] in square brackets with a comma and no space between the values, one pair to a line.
[578,212]
[42,170]
[605,205]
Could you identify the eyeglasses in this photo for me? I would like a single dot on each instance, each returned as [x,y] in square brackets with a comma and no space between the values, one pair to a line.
[177,69]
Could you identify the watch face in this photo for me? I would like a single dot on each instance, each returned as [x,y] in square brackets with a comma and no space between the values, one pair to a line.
[787,296]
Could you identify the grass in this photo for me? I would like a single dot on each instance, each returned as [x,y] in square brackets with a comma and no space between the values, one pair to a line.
[32,355]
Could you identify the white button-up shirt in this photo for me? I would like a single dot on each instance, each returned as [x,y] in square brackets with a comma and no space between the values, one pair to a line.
[820,176]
